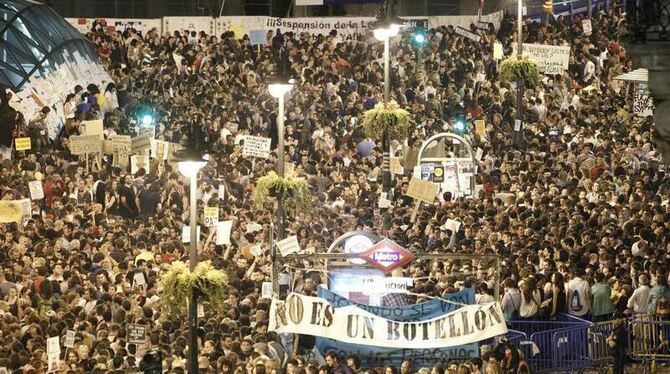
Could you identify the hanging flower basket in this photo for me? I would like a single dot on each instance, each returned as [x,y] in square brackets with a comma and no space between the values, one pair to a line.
[179,283]
[389,117]
[514,67]
[293,190]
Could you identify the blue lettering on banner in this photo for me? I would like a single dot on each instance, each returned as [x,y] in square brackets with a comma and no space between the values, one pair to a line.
[375,356]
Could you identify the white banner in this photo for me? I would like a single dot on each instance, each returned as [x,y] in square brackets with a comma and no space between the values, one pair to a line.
[197,24]
[301,314]
[467,34]
[85,25]
[382,285]
[288,246]
[466,21]
[551,59]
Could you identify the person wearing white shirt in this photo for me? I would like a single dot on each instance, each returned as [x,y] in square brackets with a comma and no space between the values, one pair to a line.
[579,295]
[638,300]
[589,70]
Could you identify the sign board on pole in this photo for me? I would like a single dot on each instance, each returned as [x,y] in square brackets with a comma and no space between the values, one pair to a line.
[22,144]
[26,208]
[427,171]
[36,191]
[141,143]
[223,232]
[258,37]
[387,255]
[256,146]
[288,245]
[550,59]
[69,339]
[137,334]
[84,144]
[422,190]
[467,34]
[211,216]
[587,26]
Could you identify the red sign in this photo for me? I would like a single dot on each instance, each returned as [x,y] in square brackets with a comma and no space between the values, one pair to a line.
[387,256]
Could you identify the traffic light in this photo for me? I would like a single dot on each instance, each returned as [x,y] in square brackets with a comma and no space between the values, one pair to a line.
[145,115]
[548,6]
[419,37]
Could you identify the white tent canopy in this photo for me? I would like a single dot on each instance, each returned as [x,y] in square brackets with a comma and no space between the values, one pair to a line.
[635,76]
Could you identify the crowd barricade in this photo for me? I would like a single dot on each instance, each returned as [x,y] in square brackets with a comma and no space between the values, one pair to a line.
[649,339]
[599,351]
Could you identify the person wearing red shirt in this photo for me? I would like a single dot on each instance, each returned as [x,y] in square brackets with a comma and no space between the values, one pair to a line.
[53,187]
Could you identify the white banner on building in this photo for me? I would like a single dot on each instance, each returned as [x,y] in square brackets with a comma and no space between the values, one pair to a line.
[301,314]
[551,59]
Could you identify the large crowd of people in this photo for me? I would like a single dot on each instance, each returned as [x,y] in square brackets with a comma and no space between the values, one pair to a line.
[578,211]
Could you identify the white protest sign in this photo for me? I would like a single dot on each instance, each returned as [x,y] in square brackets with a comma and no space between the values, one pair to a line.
[517,124]
[53,346]
[186,234]
[69,339]
[36,191]
[223,232]
[550,59]
[211,216]
[83,144]
[497,50]
[92,128]
[201,311]
[26,208]
[643,102]
[266,290]
[222,190]
[138,279]
[141,142]
[256,146]
[378,284]
[53,363]
[452,225]
[384,202]
[479,153]
[587,26]
[288,245]
[300,314]
[138,162]
[467,34]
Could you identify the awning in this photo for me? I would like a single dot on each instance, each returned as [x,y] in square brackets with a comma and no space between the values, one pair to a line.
[635,76]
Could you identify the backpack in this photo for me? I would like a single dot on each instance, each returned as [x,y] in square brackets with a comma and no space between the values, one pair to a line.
[575,302]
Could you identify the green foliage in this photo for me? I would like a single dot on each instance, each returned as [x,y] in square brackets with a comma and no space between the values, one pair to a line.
[389,117]
[179,283]
[292,189]
[515,67]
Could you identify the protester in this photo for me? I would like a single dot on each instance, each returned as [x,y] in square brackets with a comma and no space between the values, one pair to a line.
[583,198]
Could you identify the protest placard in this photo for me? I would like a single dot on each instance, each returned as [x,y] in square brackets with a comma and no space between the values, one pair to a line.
[288,245]
[69,339]
[138,162]
[480,128]
[53,346]
[467,34]
[211,216]
[550,59]
[93,127]
[141,143]
[587,26]
[186,234]
[223,232]
[256,146]
[422,190]
[137,334]
[36,191]
[85,144]
[497,50]
[258,37]
[22,144]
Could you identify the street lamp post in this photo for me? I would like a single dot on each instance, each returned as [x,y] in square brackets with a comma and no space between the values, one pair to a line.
[518,127]
[189,165]
[278,89]
[384,31]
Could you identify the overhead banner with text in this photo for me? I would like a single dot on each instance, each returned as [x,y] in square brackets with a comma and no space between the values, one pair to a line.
[375,356]
[307,315]
[551,59]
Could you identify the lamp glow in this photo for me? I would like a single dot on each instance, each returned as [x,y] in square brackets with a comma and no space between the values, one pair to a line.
[147,120]
[419,38]
[278,90]
[386,32]
[190,168]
